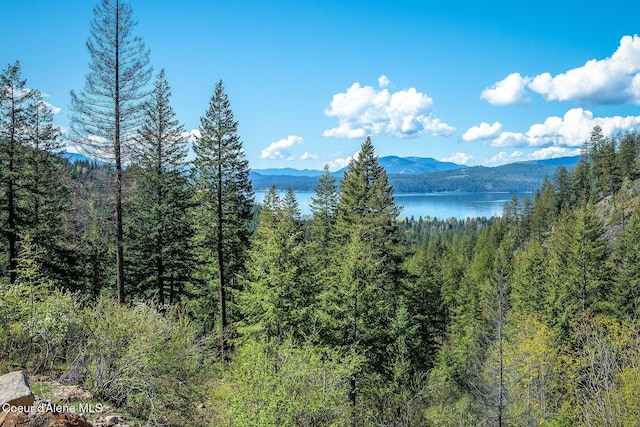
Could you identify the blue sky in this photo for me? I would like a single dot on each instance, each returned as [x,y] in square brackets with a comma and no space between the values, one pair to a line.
[479,83]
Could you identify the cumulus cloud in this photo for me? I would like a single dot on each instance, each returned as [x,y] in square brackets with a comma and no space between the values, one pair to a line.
[54,110]
[571,130]
[613,80]
[503,157]
[609,81]
[308,156]
[482,131]
[510,139]
[339,163]
[542,154]
[553,152]
[278,149]
[509,91]
[458,158]
[365,110]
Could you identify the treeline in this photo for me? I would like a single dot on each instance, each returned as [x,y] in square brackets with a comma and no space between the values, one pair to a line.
[512,178]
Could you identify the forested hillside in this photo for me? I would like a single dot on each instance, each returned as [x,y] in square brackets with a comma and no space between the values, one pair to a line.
[157,284]
[511,178]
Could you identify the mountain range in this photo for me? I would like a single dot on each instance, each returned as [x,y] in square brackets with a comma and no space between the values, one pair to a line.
[427,175]
[420,175]
[392,164]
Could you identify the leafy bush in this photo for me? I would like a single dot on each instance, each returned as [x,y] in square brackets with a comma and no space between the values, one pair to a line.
[284,385]
[42,325]
[143,360]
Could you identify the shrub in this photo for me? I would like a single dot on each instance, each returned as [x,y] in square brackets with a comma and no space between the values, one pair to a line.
[144,361]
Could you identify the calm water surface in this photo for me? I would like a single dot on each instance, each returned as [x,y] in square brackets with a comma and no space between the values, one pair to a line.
[438,205]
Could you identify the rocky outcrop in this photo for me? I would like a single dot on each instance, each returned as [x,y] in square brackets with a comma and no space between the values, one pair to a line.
[42,419]
[15,391]
[20,408]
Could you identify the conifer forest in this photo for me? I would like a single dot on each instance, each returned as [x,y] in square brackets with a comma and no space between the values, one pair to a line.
[151,278]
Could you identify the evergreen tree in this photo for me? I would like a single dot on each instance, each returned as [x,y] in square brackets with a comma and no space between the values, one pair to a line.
[627,260]
[277,298]
[323,206]
[160,231]
[544,210]
[106,114]
[46,196]
[225,199]
[367,269]
[529,279]
[581,183]
[578,272]
[14,101]
[424,303]
[562,185]
[627,153]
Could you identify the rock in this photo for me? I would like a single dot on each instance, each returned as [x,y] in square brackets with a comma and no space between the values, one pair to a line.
[112,419]
[42,419]
[15,391]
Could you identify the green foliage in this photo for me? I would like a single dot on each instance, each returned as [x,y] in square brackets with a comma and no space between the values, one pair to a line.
[627,280]
[224,201]
[31,192]
[106,114]
[43,325]
[283,384]
[323,226]
[277,297]
[158,228]
[143,360]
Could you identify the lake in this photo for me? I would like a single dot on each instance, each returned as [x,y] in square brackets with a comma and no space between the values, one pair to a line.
[436,205]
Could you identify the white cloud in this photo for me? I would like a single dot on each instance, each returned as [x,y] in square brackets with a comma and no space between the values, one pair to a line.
[509,91]
[339,163]
[553,152]
[609,81]
[510,139]
[571,130]
[482,131]
[613,80]
[458,158]
[502,157]
[308,156]
[278,149]
[55,110]
[71,147]
[576,126]
[383,81]
[364,111]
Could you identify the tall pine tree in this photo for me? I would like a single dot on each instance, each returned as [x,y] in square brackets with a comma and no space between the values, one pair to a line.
[323,206]
[14,100]
[159,228]
[225,200]
[363,297]
[106,114]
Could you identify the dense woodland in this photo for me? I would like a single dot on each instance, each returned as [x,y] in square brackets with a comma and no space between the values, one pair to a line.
[157,284]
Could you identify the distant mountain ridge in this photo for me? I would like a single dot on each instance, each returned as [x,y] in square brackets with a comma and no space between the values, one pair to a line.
[392,164]
[524,176]
[420,175]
